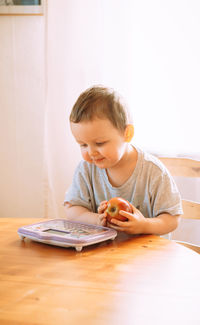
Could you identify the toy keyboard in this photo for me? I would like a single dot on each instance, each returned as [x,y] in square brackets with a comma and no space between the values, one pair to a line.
[61,232]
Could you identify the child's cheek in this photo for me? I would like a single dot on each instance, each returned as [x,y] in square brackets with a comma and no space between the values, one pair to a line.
[108,153]
[86,157]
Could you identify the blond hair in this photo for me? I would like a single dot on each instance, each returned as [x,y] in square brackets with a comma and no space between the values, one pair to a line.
[100,102]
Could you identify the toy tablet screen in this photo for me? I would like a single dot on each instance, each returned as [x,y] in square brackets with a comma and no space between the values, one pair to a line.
[57,232]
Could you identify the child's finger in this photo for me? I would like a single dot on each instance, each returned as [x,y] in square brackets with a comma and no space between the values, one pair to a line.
[114,226]
[103,202]
[102,220]
[126,214]
[133,208]
[102,208]
[119,223]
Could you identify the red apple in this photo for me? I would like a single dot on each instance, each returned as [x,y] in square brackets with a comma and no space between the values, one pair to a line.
[114,206]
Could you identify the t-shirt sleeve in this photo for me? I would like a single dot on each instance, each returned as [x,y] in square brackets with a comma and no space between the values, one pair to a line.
[80,191]
[165,195]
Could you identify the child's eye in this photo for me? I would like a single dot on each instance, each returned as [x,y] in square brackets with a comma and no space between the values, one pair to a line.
[83,145]
[99,144]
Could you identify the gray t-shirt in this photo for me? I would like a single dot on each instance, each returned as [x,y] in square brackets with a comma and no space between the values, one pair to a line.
[150,188]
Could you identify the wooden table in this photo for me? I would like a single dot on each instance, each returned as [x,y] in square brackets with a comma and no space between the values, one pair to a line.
[138,280]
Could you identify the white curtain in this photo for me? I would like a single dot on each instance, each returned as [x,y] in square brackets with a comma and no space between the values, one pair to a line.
[147,50]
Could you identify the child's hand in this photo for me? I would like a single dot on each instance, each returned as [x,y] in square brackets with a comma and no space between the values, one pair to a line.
[102,213]
[134,225]
[102,207]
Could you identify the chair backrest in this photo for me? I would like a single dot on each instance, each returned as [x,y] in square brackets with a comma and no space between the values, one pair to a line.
[188,232]
[185,167]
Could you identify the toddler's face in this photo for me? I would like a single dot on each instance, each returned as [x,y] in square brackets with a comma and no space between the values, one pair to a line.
[100,142]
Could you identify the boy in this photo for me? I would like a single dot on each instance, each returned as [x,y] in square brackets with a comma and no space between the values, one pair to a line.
[112,167]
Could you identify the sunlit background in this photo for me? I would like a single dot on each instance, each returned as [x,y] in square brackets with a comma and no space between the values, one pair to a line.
[147,50]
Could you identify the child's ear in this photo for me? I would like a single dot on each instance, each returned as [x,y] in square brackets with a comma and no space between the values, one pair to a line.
[129,132]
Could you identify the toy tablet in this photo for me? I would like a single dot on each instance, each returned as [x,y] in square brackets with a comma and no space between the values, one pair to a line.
[61,232]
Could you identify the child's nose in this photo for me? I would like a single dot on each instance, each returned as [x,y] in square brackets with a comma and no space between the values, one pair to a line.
[92,151]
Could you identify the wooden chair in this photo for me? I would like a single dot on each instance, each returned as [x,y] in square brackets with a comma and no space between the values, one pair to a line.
[186,168]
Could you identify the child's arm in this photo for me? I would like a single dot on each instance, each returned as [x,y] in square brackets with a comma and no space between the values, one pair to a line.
[138,224]
[81,214]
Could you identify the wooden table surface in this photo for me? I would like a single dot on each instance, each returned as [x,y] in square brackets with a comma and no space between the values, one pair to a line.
[138,280]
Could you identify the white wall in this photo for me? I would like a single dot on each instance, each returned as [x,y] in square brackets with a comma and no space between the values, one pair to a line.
[147,50]
[21,116]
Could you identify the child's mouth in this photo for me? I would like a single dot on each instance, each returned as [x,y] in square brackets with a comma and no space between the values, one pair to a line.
[98,160]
